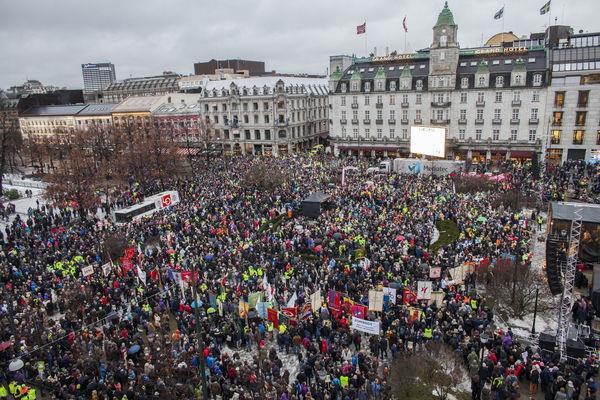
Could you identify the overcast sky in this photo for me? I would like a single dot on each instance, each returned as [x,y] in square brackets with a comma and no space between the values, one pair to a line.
[48,40]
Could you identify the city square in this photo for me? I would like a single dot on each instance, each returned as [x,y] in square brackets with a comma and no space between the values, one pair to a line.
[421,223]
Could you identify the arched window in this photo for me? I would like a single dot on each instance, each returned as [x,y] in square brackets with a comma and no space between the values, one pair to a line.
[482,81]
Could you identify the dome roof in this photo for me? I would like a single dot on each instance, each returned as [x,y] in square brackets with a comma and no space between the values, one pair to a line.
[498,38]
[445,17]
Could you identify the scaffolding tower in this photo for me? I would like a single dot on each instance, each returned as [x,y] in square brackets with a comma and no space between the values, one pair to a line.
[567,299]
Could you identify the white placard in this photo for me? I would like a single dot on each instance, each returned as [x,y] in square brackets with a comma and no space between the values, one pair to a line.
[423,290]
[375,300]
[370,327]
[391,292]
[316,300]
[87,271]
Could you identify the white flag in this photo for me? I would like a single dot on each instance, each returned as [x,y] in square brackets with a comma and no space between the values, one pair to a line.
[292,301]
[106,268]
[141,275]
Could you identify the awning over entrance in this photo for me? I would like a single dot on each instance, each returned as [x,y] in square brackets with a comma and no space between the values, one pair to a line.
[521,154]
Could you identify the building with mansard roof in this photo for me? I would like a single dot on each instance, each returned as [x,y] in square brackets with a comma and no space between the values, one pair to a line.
[490,99]
[267,115]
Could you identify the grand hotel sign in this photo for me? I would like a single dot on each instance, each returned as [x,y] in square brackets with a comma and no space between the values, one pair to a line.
[484,51]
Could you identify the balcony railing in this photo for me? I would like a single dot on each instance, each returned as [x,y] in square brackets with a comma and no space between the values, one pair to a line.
[515,121]
[391,122]
[354,105]
[479,121]
[355,121]
[497,121]
[281,123]
[534,121]
[441,104]
[557,123]
[343,121]
[462,121]
[378,122]
[404,121]
[404,104]
[515,103]
[418,121]
[378,105]
[366,121]
[440,121]
[480,103]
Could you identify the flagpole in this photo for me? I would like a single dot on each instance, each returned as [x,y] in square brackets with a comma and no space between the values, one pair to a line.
[502,44]
[366,54]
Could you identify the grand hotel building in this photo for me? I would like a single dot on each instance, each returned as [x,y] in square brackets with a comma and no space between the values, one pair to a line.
[492,100]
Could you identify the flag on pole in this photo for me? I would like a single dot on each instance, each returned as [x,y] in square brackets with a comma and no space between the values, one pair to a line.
[404,24]
[499,14]
[545,8]
[360,29]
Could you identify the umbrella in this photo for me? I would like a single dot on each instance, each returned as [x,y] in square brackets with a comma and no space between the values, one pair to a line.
[196,303]
[5,345]
[134,349]
[482,219]
[15,365]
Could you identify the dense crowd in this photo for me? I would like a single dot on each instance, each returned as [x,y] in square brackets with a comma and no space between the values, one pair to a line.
[128,330]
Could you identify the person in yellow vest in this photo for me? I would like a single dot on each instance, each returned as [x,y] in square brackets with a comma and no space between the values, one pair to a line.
[343,381]
[473,304]
[32,394]
[282,328]
[428,333]
[12,388]
[270,330]
[3,392]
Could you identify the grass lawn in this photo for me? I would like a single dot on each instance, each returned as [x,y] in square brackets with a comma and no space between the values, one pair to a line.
[448,234]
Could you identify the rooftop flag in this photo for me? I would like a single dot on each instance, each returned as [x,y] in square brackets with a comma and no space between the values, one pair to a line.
[404,24]
[360,29]
[499,14]
[545,8]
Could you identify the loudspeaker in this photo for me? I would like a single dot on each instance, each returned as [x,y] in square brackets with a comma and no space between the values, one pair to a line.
[575,348]
[554,258]
[547,342]
[596,301]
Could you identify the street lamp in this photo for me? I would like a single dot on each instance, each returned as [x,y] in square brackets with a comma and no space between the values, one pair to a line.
[537,291]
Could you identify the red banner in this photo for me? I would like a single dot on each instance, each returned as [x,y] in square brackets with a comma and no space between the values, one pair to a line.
[273,317]
[359,311]
[409,297]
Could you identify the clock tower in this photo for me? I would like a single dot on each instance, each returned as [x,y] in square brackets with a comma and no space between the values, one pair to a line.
[443,52]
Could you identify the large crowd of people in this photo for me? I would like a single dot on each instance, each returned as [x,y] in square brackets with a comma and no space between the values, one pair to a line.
[187,296]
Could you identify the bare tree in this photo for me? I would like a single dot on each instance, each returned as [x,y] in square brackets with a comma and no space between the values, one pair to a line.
[74,180]
[432,373]
[262,176]
[508,287]
[10,137]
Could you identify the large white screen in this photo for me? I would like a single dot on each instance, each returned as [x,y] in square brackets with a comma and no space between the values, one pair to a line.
[428,141]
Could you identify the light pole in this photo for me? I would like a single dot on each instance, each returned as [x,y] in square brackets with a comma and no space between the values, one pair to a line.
[537,291]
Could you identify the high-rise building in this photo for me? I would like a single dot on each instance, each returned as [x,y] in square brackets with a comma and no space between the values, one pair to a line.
[97,76]
[573,100]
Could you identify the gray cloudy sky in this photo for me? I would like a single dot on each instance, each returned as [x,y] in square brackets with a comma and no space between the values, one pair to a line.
[48,40]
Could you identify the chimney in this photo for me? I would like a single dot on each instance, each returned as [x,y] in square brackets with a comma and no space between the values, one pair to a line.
[387,51]
[375,51]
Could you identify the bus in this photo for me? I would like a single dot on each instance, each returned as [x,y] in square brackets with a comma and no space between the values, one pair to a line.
[150,205]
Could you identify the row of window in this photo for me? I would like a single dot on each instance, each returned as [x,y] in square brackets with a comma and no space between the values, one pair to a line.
[583,97]
[558,118]
[443,114]
[518,79]
[441,98]
[575,66]
[578,136]
[532,135]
